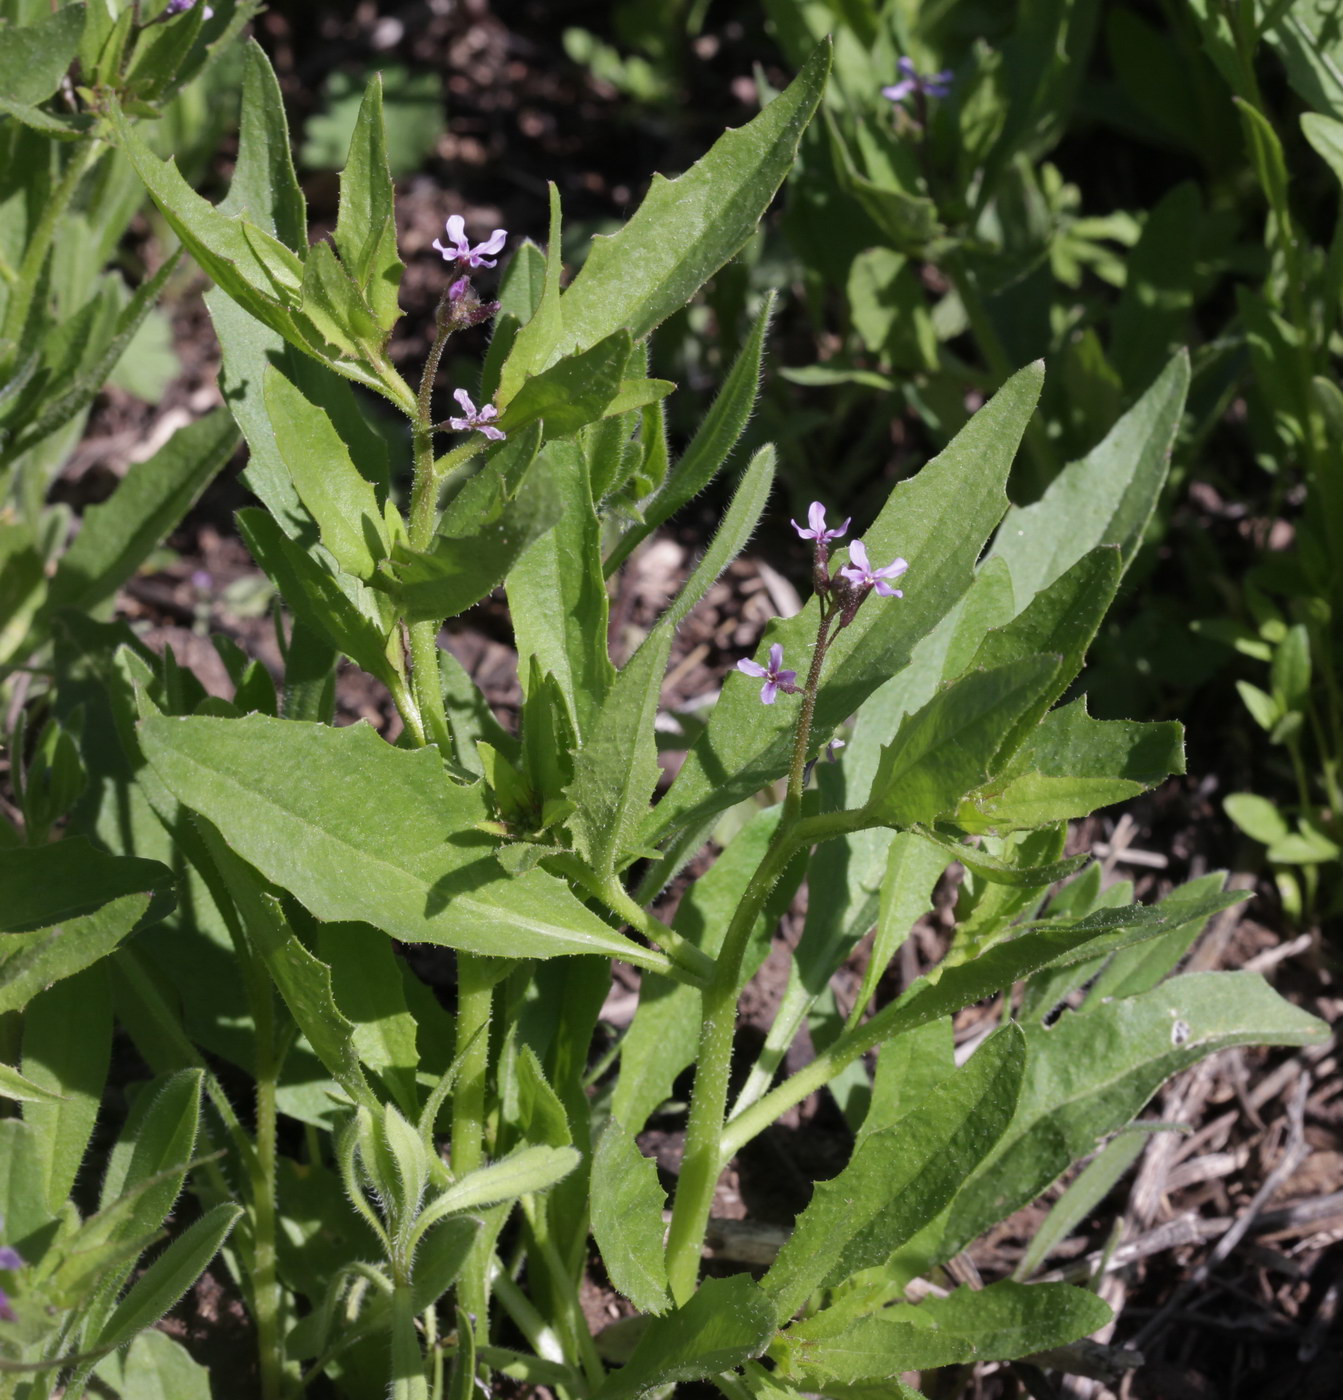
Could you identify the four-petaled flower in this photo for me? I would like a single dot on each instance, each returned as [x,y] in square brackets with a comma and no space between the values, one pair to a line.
[460,251]
[861,574]
[816,520]
[481,419]
[776,679]
[913,82]
[9,1259]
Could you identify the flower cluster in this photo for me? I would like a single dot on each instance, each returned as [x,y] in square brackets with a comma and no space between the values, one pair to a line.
[914,84]
[842,595]
[461,307]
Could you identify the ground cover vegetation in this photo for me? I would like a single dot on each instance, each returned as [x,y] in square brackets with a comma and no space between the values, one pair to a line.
[468,921]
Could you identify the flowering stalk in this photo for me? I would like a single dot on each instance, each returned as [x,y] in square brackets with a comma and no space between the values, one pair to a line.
[704,1157]
[459,308]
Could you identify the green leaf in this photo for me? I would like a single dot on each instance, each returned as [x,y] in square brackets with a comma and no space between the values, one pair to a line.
[627,1205]
[366,223]
[154,1367]
[950,746]
[1062,619]
[31,962]
[521,1173]
[534,345]
[45,885]
[573,392]
[500,513]
[913,867]
[23,1202]
[119,534]
[728,1321]
[337,308]
[304,982]
[1090,1072]
[412,107]
[342,501]
[252,266]
[1139,968]
[1291,669]
[616,770]
[264,188]
[67,1041]
[90,379]
[938,522]
[158,54]
[169,1276]
[1081,1197]
[1159,286]
[261,274]
[712,444]
[998,1323]
[734,531]
[1002,872]
[14,1086]
[334,605]
[900,1177]
[250,350]
[1071,765]
[35,57]
[557,595]
[149,1163]
[366,978]
[909,221]
[687,228]
[1106,498]
[358,830]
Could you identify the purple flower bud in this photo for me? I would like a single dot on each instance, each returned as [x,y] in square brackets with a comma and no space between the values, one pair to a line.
[816,522]
[862,575]
[460,251]
[912,83]
[461,307]
[776,679]
[481,419]
[176,7]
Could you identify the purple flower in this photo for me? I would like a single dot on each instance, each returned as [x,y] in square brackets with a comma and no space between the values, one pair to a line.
[816,520]
[911,83]
[9,1259]
[462,253]
[175,7]
[775,678]
[862,575]
[481,419]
